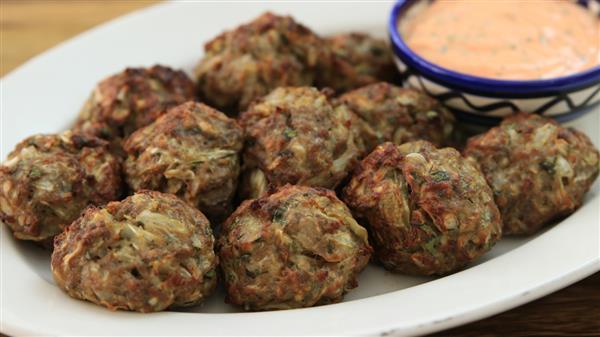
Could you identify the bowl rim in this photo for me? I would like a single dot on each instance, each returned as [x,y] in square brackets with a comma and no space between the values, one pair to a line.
[483,85]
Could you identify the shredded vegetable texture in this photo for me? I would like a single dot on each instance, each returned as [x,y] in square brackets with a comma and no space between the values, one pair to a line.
[297,135]
[47,180]
[146,253]
[399,115]
[298,247]
[192,152]
[131,99]
[538,170]
[430,211]
[358,60]
[248,62]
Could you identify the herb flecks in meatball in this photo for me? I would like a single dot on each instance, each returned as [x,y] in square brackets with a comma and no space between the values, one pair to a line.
[146,253]
[357,60]
[244,64]
[192,152]
[295,248]
[399,115]
[538,170]
[47,180]
[296,135]
[127,101]
[430,211]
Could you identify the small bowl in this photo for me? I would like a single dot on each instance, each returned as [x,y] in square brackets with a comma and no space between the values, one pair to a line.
[485,101]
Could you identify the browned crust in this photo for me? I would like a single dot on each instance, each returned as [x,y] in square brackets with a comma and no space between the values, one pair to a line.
[296,135]
[399,115]
[192,152]
[146,253]
[313,250]
[539,171]
[246,63]
[429,211]
[48,179]
[134,98]
[358,60]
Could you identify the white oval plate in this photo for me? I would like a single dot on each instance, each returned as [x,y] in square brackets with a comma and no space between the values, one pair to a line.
[45,94]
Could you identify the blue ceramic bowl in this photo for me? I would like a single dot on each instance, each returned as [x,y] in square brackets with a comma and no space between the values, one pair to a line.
[484,101]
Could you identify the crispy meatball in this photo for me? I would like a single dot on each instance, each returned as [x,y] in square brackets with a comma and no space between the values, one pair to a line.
[146,253]
[47,180]
[192,152]
[358,60]
[125,102]
[255,58]
[538,170]
[399,115]
[430,211]
[295,135]
[295,248]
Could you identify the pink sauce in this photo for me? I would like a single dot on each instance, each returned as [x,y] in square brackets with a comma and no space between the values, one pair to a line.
[506,39]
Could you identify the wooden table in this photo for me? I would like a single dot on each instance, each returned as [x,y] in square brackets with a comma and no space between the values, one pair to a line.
[30,27]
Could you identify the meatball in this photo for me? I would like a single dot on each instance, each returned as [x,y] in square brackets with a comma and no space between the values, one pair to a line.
[47,180]
[250,61]
[399,115]
[358,60]
[295,135]
[192,152]
[538,170]
[295,248]
[430,211]
[125,102]
[146,253]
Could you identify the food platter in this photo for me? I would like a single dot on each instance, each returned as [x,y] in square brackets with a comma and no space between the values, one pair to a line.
[45,94]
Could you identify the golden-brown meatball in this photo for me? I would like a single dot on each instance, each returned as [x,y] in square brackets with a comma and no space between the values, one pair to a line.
[430,211]
[538,170]
[255,58]
[127,101]
[146,253]
[295,248]
[399,115]
[295,135]
[47,180]
[192,152]
[357,60]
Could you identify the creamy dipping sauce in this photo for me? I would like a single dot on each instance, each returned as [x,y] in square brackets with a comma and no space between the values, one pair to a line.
[505,39]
